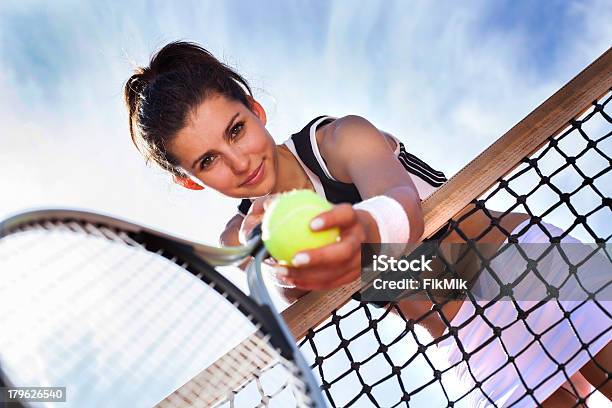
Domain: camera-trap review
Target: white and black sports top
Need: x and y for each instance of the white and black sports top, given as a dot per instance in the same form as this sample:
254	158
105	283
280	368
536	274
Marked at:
304	147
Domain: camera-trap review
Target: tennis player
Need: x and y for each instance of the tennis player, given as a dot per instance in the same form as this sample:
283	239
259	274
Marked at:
196	118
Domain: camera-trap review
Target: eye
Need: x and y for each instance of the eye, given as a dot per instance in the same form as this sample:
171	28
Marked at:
236	129
206	162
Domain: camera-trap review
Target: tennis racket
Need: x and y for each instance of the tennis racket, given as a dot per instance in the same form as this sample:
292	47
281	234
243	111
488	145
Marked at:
123	315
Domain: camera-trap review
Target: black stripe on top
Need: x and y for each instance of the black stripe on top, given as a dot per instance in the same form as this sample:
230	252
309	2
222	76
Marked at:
419	168
335	191
338	192
420	162
243	207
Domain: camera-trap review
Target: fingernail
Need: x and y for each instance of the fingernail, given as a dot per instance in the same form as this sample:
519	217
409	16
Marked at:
300	259
281	270
316	224
285	282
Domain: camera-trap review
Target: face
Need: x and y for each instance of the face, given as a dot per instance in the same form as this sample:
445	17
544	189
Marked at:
227	147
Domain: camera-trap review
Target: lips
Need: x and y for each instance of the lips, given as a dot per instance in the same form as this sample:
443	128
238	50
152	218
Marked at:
254	177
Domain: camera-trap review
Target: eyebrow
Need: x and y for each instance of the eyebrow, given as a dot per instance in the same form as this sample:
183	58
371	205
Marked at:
225	136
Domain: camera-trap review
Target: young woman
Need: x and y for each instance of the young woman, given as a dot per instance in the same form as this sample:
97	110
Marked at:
197	119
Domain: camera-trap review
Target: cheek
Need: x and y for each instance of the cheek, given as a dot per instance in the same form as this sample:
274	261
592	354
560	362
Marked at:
261	142
220	179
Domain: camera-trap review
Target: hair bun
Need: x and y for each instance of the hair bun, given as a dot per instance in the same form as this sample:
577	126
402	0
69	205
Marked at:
160	97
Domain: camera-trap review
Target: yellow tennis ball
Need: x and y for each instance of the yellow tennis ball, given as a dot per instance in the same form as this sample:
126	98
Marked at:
286	225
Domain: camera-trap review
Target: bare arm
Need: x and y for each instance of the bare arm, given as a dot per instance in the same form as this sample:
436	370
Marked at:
357	152
229	237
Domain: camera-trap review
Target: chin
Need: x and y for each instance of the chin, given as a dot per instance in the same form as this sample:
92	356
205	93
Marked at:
265	189
266	186
260	190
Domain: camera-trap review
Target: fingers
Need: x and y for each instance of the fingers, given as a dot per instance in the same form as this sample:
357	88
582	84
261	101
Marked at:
327	267
332	265
339	252
321	278
336	253
342	215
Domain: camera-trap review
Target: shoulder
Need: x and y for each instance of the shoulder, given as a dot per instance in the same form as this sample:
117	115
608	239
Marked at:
351	138
352	130
346	123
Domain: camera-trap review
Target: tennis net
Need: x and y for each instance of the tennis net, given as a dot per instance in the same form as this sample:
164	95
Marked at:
555	166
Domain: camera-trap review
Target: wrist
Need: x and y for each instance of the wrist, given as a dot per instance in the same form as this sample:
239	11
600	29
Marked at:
387	223
369	225
371	232
388	217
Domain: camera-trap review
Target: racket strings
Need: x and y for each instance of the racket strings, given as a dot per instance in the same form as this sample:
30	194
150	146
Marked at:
91	309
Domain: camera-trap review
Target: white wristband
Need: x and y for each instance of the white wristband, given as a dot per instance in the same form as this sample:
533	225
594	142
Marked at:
390	217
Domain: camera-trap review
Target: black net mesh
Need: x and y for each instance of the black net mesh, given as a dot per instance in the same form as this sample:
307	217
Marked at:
501	352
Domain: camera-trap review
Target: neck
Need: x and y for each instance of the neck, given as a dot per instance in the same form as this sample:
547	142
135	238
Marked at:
290	174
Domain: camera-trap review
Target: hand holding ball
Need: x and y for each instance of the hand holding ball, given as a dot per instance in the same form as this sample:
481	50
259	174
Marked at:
286	225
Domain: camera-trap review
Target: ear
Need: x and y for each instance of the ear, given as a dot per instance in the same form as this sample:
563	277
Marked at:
257	109
187	183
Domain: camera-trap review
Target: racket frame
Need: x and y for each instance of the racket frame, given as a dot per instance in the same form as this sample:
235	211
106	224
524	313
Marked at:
201	261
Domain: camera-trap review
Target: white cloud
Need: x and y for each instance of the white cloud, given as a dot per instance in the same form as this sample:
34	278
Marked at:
426	72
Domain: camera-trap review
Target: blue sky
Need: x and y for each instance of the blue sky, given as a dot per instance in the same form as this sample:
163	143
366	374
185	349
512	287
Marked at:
446	80
440	77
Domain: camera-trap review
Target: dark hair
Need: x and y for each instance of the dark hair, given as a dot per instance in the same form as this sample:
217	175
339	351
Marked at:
161	97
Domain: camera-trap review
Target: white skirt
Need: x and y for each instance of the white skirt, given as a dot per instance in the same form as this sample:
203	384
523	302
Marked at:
506	366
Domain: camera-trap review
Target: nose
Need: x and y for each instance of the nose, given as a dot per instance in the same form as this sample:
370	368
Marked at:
238	161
